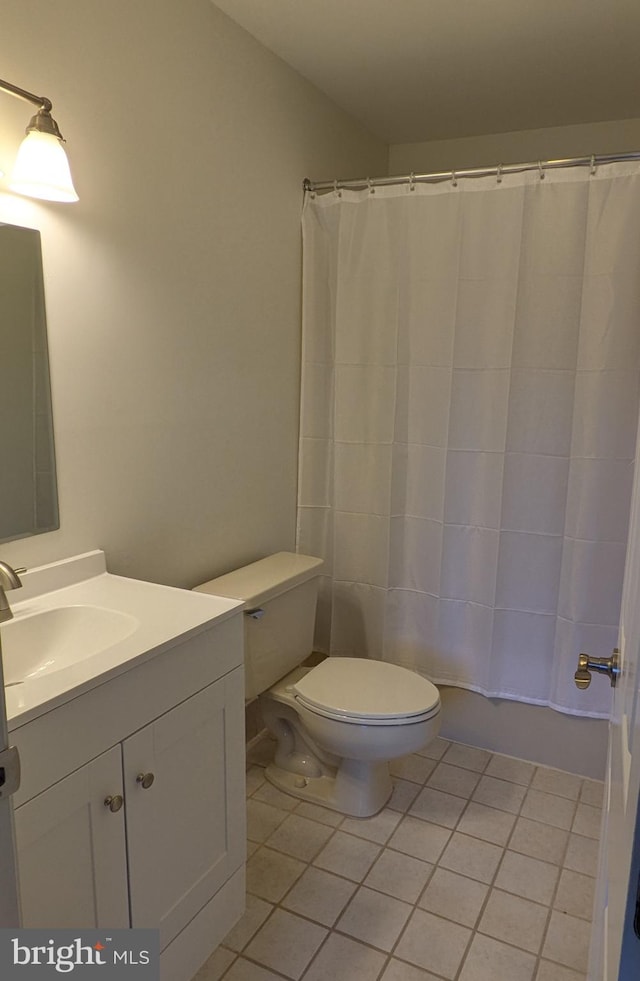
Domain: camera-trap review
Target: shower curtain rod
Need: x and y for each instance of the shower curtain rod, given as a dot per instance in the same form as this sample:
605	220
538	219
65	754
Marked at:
446	175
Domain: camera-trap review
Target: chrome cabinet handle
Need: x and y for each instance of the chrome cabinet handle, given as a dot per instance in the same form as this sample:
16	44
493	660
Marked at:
603	665
145	780
114	803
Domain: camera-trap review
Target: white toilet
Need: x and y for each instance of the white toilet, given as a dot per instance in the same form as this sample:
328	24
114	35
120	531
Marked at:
338	724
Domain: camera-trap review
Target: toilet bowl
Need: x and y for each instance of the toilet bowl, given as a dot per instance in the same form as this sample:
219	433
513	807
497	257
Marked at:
338	724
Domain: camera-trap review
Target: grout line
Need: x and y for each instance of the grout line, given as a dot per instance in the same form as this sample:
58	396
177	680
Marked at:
382	847
491	885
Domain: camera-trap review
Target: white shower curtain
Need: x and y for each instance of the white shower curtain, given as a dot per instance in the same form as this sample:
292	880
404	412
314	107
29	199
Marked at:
468	418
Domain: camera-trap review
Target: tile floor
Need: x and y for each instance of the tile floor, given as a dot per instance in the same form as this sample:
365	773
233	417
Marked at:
481	868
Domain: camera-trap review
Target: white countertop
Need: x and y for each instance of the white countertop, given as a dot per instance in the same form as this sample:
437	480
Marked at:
165	615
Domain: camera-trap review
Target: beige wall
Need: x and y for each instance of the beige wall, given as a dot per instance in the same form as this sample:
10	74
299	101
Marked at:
173	286
535	144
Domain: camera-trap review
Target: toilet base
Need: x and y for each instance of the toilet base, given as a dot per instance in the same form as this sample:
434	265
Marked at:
358	788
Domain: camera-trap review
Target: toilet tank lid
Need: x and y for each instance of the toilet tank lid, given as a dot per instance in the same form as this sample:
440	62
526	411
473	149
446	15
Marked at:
265	579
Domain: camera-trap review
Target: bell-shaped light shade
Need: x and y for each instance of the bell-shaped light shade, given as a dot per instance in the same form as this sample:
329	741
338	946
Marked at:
42	170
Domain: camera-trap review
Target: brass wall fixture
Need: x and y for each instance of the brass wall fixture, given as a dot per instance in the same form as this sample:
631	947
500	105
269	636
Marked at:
41	169
602	665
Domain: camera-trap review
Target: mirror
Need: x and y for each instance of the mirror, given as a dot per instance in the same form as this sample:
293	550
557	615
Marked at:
28	494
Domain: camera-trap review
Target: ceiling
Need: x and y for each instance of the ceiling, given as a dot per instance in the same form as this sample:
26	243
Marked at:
414	70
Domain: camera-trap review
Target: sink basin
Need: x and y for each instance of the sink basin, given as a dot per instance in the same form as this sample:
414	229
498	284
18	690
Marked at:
76	626
39	644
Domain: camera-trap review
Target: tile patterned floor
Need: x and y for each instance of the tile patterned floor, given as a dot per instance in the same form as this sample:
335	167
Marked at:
481	868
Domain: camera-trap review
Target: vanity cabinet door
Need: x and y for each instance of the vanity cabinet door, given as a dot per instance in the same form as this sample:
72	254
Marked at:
71	850
184	786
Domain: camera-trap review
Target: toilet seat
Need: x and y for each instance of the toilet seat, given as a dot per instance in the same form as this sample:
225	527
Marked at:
366	692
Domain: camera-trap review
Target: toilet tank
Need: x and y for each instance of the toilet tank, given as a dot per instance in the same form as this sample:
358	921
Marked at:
280	594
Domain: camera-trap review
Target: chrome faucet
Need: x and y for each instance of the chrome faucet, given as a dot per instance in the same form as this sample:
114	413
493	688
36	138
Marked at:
9	579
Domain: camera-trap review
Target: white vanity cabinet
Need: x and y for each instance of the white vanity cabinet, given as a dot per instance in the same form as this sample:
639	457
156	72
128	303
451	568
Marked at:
71	851
184	835
167	736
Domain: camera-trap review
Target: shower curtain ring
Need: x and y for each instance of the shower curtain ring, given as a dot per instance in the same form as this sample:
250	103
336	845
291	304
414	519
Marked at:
412	185
593	164
372	189
541	170
335	189
454	179
499	174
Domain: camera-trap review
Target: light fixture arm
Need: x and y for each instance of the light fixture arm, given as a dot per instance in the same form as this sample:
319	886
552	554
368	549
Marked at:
37	100
43	121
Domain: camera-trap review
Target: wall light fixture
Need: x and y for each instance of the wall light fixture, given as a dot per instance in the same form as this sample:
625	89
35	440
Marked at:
41	169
